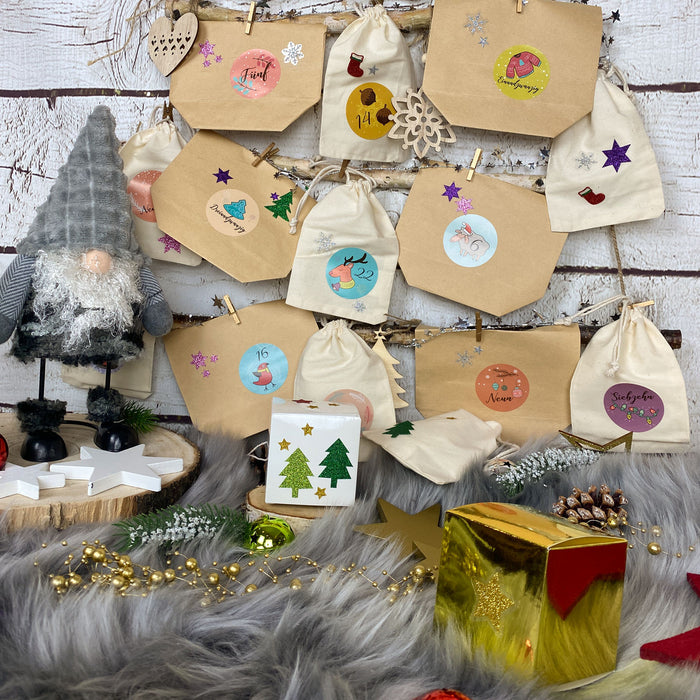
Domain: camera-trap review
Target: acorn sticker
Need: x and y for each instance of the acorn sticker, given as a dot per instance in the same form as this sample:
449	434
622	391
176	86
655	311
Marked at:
383	115
368	97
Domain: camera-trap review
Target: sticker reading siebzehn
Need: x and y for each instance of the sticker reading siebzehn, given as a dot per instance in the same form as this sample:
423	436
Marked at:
255	73
368	109
232	212
351	273
502	387
633	407
521	72
263	368
470	240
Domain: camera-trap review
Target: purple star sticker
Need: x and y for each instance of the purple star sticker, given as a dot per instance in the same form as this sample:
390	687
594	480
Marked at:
206	373
451	191
617	155
206	63
222	176
274	196
207	48
213	358
199	360
464	205
169	243
219	59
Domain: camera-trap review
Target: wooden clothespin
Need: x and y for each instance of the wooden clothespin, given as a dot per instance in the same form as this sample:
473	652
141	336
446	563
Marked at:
267	153
167	111
478	327
343	168
640	304
519	6
473	164
231	309
251	17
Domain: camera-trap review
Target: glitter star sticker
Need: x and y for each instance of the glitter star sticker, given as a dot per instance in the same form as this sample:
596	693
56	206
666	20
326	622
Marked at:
169	243
223	176
218	302
320	493
198	360
207	48
617	155
284	444
307	428
451	191
490	601
464	205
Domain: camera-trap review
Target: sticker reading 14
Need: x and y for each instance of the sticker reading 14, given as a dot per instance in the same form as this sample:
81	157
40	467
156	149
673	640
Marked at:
502	387
351	273
470	240
521	72
255	73
633	407
368	109
263	368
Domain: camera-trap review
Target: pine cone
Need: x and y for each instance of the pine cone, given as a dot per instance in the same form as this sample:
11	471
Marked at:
597	508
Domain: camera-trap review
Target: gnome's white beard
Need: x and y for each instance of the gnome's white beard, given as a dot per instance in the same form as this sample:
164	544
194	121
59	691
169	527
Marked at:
71	300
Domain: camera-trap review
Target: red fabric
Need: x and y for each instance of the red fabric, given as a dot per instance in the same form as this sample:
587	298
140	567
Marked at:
522	64
570	572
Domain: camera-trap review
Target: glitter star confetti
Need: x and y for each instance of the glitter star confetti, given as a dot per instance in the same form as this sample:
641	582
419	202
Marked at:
464	205
307	429
617	155
207	48
451	191
320	493
218	302
293	53
284	444
222	176
198	360
491	603
169	243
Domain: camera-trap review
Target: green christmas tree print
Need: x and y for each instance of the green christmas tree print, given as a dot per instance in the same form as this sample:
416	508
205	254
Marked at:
296	471
336	463
403	428
282	206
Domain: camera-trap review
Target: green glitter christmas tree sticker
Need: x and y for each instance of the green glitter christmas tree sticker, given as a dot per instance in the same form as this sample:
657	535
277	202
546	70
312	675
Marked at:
336	463
403	428
297	472
282	206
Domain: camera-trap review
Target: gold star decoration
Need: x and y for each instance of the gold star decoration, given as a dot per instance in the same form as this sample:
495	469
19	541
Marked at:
307	429
586	444
423	528
490	601
219	303
320	493
284	445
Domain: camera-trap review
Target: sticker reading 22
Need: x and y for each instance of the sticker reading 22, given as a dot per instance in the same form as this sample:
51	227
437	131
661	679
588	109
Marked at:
263	368
351	273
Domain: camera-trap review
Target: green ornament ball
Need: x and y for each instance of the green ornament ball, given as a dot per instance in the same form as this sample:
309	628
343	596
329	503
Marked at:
269	533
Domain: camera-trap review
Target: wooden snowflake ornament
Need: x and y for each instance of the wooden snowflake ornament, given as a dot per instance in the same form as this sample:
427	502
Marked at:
419	124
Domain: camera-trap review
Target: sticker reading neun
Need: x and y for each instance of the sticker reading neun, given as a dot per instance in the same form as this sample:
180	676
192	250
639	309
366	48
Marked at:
368	110
521	72
470	240
255	73
633	407
232	212
502	387
263	368
351	273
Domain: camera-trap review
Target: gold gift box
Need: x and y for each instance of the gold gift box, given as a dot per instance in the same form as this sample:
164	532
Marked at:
538	591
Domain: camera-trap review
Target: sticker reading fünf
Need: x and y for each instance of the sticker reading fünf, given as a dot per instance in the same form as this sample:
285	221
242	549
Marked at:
502	387
263	368
139	191
255	73
351	273
357	399
521	72
470	240
232	212
368	109
633	407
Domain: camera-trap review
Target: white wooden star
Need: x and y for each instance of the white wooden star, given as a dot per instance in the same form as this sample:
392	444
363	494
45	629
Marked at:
27	481
105	470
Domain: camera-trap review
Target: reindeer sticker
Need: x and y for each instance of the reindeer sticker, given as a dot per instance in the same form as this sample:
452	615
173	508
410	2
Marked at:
475	237
351	272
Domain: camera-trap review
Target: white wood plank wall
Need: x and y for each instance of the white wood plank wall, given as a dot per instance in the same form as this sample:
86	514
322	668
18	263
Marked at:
47	91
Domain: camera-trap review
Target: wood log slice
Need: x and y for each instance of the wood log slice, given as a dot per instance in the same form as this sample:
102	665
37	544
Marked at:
59	508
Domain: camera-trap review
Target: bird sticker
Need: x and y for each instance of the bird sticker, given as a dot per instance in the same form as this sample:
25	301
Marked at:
263	375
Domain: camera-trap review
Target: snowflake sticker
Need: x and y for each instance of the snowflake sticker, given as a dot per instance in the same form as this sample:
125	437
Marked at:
476	23
324	243
585	160
207	49
199	360
293	53
359	306
463	359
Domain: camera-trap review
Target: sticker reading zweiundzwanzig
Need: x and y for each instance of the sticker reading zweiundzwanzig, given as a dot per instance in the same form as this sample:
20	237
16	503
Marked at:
255	73
232	212
470	240
139	191
263	368
521	72
502	387
357	399
351	273
633	407
368	109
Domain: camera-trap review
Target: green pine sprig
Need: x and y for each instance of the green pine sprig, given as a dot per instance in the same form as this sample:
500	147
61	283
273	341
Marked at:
174	525
139	417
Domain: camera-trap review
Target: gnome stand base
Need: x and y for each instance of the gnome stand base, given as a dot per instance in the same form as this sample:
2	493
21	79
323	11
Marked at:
112	435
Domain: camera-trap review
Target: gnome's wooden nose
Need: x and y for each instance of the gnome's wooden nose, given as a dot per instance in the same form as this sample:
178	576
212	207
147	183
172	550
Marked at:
97	261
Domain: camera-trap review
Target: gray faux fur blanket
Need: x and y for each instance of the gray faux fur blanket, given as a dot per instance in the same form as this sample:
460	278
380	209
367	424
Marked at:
333	639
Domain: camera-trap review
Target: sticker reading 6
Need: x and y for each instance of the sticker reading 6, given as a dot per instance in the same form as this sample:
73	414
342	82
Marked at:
263	368
368	109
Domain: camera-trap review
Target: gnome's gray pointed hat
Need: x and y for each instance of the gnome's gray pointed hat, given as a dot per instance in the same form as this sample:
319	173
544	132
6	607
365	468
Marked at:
88	206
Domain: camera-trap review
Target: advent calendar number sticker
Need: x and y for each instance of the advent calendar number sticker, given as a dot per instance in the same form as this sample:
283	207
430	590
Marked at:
633	407
263	368
139	191
232	212
357	399
470	240
351	273
368	109
521	72
502	387
255	73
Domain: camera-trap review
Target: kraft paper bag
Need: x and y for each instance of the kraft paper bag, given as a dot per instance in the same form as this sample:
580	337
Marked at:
520	379
533	72
484	243
212	199
228	372
628	379
146	155
260	81
132	378
368	65
602	170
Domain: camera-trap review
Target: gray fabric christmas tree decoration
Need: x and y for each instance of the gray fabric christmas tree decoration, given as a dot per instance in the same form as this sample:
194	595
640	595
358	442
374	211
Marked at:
82	235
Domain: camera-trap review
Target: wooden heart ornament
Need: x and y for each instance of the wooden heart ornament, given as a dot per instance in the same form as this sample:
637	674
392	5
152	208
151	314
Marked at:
168	44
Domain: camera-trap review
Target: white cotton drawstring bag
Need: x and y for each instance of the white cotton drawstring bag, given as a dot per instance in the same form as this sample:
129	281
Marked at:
628	380
602	170
368	65
146	155
346	257
339	367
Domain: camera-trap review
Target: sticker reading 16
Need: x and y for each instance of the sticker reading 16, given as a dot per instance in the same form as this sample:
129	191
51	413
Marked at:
263	368
368	109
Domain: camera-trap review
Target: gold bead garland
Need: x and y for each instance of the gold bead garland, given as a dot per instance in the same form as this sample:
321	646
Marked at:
652	546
